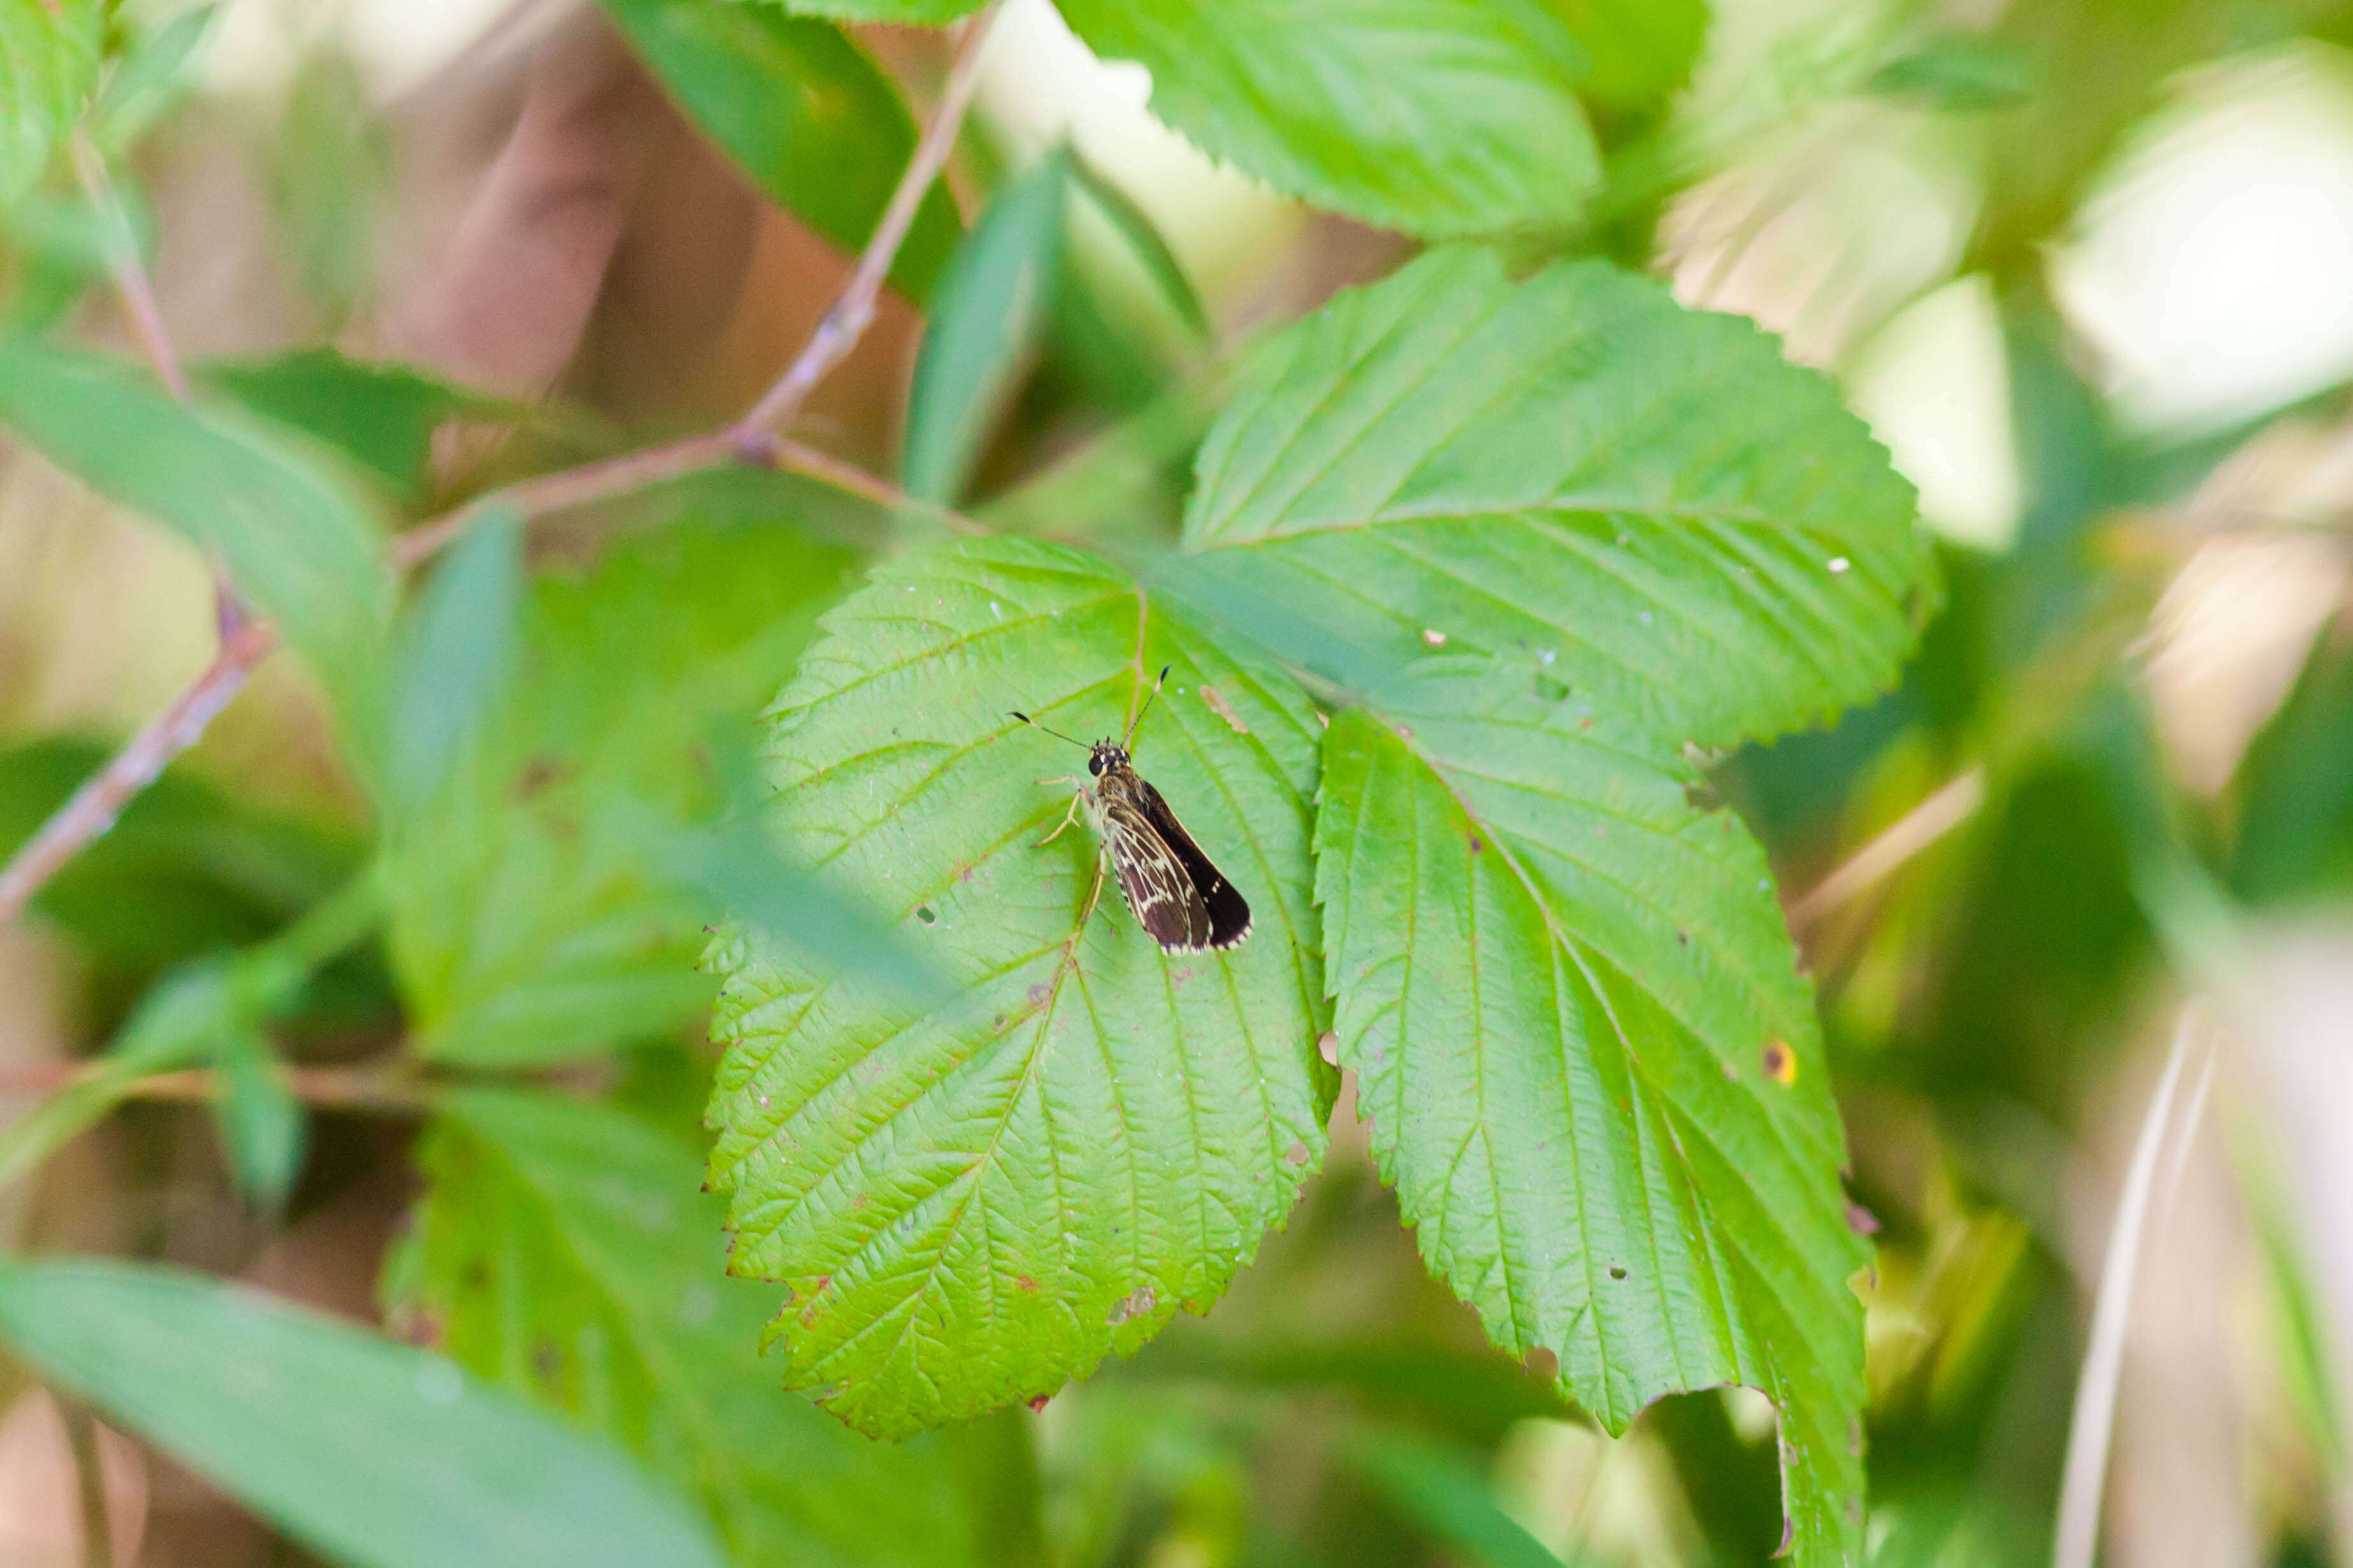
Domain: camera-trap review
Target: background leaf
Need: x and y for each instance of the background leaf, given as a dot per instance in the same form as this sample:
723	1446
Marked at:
1640	50
298	543
1592	1070
973	1203
49	67
1428	116
804	113
991	308
534	913
457	653
412	1464
381	415
565	1252
1644	500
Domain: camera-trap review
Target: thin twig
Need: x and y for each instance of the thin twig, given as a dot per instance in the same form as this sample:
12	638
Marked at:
852	310
2085	1476
334	1089
1902	839
129	274
94	806
752	440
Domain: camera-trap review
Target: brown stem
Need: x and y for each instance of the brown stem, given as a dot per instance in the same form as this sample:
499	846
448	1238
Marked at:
338	1089
129	273
1902	839
93	807
752	440
846	320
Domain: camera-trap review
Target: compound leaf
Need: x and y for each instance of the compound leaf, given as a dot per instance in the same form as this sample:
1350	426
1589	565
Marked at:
974	1200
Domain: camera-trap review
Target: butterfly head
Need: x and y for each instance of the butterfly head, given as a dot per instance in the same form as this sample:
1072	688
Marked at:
1107	757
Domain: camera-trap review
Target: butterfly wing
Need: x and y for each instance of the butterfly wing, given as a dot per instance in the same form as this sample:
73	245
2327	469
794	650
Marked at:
1226	912
1153	876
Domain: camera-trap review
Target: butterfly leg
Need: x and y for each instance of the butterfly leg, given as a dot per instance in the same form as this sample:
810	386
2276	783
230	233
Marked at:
1068	816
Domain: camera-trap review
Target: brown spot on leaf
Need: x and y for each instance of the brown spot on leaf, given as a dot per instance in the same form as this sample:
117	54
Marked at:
539	774
1036	996
1780	1063
1223	709
1024	1282
1861	1220
1475	846
1128	1308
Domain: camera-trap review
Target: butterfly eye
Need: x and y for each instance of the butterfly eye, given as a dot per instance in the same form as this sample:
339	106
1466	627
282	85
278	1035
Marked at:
1096	764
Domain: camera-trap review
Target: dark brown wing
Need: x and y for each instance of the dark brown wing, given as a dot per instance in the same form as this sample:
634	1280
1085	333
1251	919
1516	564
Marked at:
1228	912
1151	877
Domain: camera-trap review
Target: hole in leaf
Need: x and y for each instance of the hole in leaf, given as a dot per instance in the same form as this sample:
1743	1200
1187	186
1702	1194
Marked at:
923	913
1617	1271
1542	1362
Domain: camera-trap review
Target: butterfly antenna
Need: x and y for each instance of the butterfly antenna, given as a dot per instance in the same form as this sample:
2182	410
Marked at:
1140	713
1035	725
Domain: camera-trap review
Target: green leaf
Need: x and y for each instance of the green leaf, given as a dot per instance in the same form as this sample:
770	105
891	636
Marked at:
1645	500
1591	1068
367	1451
567	1254
1961	72
187	869
50	52
382	417
973	1203
805	114
296	540
992	305
535	915
1435	117
262	1125
1440	1487
1642	50
457	653
2295	788
152	77
1142	237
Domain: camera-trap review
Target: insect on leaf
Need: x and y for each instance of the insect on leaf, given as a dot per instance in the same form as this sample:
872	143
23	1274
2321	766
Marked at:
973	1202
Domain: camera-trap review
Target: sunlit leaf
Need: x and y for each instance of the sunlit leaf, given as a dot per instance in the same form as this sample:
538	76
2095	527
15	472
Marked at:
370	1452
973	1203
1644	500
801	111
1430	116
1591	1068
568	1253
984	326
49	66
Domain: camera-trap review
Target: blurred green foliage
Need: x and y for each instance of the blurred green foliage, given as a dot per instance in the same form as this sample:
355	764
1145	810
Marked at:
1486	590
